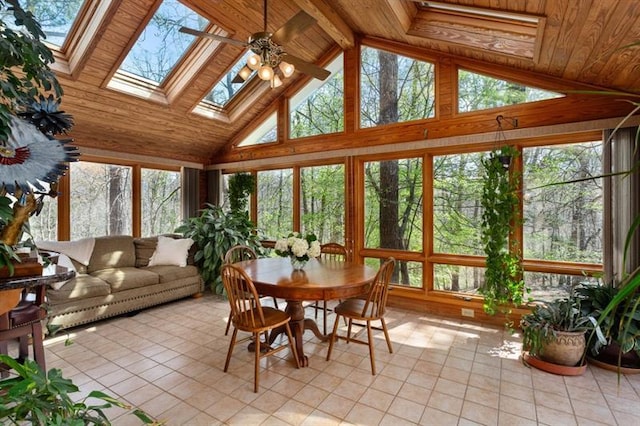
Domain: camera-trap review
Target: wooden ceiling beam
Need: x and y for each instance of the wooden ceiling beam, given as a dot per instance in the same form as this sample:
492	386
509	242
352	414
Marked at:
330	21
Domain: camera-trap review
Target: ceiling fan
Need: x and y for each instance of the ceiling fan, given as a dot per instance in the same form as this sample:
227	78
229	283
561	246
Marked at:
270	58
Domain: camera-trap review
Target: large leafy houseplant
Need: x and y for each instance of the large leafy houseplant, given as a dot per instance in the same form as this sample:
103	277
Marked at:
25	79
503	282
41	398
214	232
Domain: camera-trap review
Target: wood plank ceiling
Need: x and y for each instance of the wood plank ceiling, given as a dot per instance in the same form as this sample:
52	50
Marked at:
578	41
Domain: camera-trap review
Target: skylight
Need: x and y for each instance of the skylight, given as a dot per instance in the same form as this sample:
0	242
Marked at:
56	17
225	89
160	45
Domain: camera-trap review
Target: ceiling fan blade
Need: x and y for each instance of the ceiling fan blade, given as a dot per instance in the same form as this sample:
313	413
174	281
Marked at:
293	27
212	36
307	67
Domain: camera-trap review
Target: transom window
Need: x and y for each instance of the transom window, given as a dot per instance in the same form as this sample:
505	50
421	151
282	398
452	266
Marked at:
477	92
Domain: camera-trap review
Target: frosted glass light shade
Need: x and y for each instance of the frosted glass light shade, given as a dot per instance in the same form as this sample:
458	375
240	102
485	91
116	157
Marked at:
245	72
253	62
265	72
286	68
276	82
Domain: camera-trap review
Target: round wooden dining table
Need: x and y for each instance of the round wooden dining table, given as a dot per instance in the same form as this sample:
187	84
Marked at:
321	279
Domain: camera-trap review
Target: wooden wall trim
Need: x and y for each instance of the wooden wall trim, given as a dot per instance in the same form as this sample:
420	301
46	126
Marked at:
146	159
432	145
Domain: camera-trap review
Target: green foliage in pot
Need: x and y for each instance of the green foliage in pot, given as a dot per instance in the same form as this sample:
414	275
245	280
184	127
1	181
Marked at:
503	283
547	318
24	64
40	398
620	325
241	186
214	232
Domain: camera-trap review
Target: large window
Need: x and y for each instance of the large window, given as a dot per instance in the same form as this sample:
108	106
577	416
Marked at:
457	213
275	198
161	208
322	202
393	204
393	212
100	200
43	226
563	222
394	88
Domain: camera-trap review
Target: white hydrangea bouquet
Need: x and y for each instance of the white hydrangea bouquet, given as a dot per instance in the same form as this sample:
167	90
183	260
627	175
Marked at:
298	248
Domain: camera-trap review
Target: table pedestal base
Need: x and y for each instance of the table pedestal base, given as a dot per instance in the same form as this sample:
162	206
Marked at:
298	325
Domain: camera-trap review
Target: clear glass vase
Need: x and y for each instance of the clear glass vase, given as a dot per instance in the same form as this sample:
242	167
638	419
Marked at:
297	264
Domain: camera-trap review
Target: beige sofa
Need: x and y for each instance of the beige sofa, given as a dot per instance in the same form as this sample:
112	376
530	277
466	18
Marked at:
118	280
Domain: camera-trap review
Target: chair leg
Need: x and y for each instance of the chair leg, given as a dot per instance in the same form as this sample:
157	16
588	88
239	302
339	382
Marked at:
386	335
315	308
348	329
370	340
334	336
324	316
232	343
292	345
38	346
23	348
226	331
256	371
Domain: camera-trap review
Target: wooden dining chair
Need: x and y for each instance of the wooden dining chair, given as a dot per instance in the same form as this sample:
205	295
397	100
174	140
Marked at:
247	314
24	323
371	308
237	254
329	252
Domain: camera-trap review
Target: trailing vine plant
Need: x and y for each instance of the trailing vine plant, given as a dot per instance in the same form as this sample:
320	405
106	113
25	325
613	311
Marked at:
503	281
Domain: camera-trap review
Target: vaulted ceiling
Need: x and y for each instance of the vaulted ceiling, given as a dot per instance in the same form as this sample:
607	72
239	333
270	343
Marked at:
586	42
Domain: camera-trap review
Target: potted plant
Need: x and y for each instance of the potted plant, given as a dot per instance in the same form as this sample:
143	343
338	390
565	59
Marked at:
554	332
619	344
29	153
214	232
503	283
41	398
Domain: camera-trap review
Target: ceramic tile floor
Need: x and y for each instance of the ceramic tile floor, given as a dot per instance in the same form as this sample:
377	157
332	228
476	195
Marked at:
168	361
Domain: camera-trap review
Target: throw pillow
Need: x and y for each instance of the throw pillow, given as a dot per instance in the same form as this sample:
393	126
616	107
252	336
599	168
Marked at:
171	252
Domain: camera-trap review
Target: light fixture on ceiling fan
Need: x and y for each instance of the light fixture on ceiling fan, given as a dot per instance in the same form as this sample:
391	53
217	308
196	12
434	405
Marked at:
269	57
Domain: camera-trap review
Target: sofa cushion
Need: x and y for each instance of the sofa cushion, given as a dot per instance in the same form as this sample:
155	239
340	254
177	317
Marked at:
81	287
171	273
127	278
170	251
144	250
145	247
114	251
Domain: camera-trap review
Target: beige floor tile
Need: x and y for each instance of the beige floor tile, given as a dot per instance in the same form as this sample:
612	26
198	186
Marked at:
225	408
480	414
336	405
319	418
362	414
447	403
508	419
376	399
247	416
552	416
406	409
435	417
293	412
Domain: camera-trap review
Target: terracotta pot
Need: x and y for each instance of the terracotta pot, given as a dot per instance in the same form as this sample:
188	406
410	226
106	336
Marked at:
566	349
608	359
